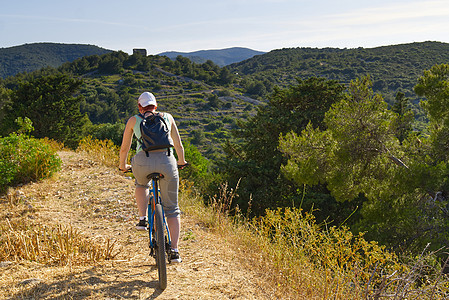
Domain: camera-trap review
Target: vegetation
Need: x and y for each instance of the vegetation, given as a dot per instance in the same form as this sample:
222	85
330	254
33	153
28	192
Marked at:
24	159
336	132
310	260
254	159
49	103
54	245
392	68
360	152
103	151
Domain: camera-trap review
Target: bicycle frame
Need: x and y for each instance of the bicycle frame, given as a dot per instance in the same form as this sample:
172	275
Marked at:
154	194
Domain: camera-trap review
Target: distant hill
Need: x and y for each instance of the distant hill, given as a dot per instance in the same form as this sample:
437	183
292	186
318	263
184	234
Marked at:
31	57
221	57
392	68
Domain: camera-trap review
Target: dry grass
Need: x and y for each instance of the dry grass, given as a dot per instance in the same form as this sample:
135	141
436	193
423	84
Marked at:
21	239
55	145
102	151
51	244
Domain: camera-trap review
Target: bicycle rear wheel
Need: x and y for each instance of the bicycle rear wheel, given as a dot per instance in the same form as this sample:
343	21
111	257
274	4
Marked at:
160	247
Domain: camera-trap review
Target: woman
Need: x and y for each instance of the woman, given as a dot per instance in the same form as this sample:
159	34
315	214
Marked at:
160	161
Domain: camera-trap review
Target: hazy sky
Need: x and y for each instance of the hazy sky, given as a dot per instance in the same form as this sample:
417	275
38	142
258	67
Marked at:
175	25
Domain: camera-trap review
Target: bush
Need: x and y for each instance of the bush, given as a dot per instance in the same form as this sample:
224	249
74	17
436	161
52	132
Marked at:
199	167
24	159
198	136
214	125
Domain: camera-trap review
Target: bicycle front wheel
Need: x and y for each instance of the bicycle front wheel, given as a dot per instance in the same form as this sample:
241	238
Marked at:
160	247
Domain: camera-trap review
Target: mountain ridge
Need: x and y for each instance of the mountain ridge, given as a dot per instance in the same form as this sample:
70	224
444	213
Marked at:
34	56
221	57
392	68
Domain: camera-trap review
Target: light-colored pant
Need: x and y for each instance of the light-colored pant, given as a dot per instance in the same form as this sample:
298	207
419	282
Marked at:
159	162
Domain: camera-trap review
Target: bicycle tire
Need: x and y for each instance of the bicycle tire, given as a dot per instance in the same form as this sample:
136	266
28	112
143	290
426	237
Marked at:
160	247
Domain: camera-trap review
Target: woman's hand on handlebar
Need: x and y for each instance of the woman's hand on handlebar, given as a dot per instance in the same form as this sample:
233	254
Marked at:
127	168
182	166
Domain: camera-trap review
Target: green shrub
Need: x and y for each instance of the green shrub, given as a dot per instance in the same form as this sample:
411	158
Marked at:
214	125
24	159
107	131
199	167
198	136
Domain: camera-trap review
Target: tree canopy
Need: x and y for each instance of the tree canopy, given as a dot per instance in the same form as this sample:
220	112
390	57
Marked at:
359	153
255	160
50	103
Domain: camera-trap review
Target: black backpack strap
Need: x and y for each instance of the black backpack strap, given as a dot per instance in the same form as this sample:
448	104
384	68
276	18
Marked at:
166	125
140	140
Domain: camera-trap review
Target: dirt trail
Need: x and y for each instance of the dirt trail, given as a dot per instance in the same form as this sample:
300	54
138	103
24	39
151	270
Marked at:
98	201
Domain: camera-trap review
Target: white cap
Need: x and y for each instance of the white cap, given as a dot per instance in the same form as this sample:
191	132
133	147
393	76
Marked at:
146	99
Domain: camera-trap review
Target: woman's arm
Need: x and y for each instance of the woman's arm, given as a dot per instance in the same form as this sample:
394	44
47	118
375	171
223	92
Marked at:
179	148
126	143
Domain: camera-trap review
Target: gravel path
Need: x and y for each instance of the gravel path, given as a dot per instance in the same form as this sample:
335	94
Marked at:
98	201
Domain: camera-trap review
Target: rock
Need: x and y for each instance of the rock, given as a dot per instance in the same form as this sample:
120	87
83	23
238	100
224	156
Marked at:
20	194
30	281
5	263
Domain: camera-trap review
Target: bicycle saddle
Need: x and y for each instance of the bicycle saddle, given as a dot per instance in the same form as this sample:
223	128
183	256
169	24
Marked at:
155	176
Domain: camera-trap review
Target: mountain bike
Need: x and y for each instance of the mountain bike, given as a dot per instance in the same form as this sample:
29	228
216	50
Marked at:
159	234
160	242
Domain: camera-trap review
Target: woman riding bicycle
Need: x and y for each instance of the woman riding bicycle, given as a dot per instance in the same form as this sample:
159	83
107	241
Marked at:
159	161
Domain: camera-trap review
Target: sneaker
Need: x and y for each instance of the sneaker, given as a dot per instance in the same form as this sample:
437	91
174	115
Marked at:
174	256
142	225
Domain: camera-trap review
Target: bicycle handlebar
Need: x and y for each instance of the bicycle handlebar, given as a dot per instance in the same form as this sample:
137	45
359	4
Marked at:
131	169
183	166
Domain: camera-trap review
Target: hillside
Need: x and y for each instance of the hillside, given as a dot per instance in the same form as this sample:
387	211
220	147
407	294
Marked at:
208	101
99	205
208	109
392	68
31	57
222	57
200	96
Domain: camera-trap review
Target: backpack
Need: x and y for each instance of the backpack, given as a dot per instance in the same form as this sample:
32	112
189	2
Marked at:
155	133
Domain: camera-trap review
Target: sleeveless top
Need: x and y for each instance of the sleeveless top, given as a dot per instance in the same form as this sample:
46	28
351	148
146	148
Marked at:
138	135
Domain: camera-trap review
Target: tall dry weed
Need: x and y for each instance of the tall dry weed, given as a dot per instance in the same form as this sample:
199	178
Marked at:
102	151
51	244
54	145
